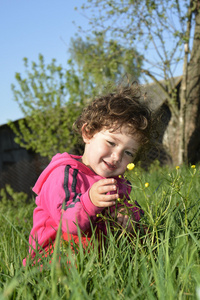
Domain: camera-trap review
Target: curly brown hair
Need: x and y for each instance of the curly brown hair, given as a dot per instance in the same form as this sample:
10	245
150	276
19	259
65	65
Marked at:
125	106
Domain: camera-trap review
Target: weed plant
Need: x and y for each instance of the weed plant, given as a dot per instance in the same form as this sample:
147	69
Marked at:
162	262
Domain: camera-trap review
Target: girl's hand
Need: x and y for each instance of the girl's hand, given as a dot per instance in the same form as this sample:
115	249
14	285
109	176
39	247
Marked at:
123	219
100	192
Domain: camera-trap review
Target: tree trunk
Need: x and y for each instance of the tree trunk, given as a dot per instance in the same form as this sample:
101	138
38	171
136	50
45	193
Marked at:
171	139
182	136
192	114
182	155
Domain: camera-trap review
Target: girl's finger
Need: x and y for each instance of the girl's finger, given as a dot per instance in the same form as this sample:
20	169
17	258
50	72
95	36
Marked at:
107	188
106	204
109	197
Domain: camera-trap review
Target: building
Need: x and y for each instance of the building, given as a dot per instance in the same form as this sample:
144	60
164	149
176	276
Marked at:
19	167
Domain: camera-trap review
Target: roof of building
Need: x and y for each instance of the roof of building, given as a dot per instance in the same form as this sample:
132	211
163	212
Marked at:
156	93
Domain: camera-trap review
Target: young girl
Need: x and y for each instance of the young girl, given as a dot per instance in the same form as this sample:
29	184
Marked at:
74	189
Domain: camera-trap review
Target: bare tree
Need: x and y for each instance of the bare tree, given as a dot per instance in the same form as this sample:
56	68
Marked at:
163	32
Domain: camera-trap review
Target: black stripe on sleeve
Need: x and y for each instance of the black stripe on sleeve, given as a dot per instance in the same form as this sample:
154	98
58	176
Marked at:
66	181
71	189
77	199
74	182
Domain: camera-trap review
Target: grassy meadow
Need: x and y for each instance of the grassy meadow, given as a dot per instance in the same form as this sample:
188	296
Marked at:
162	262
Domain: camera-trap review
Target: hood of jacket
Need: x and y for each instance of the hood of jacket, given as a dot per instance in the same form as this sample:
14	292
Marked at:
59	160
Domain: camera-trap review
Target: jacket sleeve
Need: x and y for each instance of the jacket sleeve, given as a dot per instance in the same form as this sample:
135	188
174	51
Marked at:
66	196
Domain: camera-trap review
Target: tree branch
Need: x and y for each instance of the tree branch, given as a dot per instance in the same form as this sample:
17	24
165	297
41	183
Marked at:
171	104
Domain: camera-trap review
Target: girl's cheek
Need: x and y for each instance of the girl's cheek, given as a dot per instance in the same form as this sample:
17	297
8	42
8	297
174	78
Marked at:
128	160
107	149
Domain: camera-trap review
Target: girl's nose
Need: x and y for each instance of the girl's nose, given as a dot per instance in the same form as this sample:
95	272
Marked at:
117	156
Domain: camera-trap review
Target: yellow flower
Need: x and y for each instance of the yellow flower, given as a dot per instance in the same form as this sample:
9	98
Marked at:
120	200
193	167
177	167
146	185
130	166
120	176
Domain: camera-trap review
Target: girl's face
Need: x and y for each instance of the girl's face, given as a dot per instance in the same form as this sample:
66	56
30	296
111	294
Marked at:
108	153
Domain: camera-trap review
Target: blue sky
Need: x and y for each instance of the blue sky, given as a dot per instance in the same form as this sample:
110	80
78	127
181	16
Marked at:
30	27
27	28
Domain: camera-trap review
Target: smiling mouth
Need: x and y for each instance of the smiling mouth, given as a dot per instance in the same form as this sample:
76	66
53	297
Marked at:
110	166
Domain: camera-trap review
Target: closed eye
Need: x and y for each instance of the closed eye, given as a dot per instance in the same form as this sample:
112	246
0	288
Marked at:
129	153
111	143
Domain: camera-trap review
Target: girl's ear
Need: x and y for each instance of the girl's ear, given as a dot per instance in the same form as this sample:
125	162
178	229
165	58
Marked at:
85	135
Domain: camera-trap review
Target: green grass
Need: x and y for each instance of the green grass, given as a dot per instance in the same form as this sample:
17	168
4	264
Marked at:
163	264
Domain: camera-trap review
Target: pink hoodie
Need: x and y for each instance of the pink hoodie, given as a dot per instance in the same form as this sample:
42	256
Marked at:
63	190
